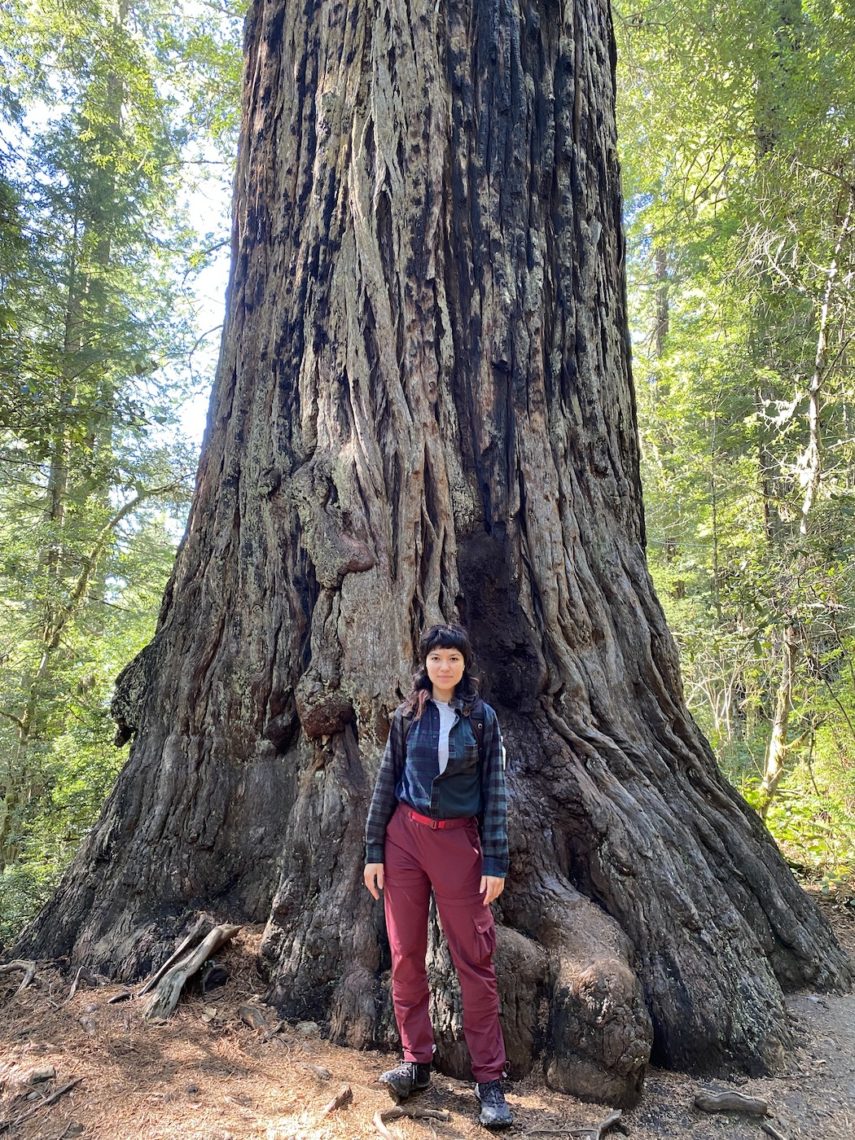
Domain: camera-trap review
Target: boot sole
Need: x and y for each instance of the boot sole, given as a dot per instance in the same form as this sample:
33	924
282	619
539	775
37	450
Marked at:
400	1098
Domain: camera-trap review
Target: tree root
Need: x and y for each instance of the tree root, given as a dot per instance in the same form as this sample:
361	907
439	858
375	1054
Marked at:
29	969
377	1121
402	1111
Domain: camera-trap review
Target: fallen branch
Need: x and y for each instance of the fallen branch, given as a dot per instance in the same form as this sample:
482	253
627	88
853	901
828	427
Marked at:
731	1101
168	991
54	1096
592	1131
414	1113
343	1097
201	929
29	969
74	984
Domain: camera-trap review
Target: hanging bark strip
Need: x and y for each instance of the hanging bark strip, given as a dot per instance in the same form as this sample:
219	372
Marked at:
424	410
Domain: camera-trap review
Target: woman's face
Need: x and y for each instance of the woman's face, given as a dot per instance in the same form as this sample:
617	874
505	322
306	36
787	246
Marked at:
444	669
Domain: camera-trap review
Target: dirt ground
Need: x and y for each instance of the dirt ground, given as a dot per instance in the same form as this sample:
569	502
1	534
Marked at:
206	1075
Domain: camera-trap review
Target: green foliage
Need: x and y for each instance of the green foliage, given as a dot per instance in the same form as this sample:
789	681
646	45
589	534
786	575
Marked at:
105	140
736	122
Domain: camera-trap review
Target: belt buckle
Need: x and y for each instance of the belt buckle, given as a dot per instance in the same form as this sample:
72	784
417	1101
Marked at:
434	824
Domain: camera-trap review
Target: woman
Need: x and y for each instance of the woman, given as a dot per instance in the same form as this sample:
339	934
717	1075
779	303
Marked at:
442	774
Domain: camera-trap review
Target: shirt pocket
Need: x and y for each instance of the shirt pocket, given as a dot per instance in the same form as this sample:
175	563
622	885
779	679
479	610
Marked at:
463	747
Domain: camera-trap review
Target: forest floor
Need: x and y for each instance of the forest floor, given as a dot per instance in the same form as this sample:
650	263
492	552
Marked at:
206	1075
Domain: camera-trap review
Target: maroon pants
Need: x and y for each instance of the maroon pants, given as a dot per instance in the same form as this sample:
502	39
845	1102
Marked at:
418	859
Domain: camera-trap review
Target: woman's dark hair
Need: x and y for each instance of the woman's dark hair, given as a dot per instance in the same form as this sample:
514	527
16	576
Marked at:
441	637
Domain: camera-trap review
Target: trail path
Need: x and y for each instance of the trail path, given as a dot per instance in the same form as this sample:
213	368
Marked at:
205	1075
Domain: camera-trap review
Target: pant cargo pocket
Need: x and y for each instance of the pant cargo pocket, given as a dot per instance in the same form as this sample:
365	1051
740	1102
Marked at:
485	936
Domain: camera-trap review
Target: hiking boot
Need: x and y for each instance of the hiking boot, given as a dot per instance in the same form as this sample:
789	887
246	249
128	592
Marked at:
405	1079
494	1112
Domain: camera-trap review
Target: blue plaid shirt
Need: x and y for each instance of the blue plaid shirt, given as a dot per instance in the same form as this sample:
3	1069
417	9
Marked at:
409	773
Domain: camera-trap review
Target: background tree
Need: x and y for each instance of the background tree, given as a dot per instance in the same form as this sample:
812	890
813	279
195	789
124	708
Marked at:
737	132
424	409
95	324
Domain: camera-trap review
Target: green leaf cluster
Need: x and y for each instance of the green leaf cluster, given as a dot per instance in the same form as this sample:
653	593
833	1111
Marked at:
737	125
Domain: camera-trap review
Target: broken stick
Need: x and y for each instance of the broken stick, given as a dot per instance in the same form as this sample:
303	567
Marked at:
591	1131
414	1113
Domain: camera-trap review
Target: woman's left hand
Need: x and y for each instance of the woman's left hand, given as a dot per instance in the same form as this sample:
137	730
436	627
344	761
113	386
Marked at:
491	887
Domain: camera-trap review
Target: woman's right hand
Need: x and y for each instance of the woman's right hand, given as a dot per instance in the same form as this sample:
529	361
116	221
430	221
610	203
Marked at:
373	876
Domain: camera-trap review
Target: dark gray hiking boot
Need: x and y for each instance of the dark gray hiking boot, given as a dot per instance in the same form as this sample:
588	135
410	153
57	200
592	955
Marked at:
406	1079
494	1112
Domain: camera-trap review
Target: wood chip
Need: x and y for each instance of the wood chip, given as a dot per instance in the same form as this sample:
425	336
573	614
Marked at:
343	1097
731	1101
34	1076
74	984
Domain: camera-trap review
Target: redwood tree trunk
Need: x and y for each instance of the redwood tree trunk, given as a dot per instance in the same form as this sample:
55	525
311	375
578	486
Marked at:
424	410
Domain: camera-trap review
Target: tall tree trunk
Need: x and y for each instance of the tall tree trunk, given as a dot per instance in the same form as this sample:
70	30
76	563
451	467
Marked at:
424	409
663	316
776	750
811	473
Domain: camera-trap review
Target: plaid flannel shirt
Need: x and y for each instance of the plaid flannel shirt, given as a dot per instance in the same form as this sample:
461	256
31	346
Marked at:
409	773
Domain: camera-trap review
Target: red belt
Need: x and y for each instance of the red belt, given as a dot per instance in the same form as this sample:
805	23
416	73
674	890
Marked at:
438	824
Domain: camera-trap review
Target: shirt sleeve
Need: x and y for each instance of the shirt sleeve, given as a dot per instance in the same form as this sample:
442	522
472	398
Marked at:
383	802
494	800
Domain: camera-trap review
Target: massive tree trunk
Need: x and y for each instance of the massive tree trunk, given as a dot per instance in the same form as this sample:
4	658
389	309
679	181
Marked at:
424	410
